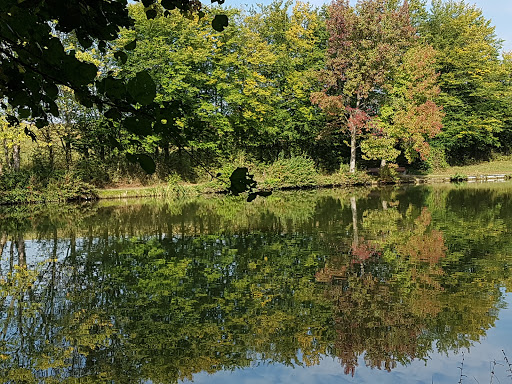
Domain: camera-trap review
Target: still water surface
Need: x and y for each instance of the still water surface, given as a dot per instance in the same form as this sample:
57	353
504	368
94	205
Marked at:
402	285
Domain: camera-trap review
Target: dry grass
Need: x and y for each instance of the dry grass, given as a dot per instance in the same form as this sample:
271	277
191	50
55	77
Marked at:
497	167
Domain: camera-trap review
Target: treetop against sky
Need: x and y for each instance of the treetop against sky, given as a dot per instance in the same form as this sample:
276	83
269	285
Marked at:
498	11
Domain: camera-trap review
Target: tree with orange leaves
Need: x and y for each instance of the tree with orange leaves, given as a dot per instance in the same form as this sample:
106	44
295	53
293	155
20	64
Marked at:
366	43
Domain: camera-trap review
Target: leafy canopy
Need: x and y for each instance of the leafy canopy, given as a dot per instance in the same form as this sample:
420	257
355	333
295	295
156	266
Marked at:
34	61
365	45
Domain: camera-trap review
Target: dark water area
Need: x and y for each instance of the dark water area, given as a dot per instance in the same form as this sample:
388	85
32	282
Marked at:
398	285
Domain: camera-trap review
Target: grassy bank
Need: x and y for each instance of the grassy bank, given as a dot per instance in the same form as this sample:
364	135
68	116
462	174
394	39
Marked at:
300	174
501	166
219	185
292	173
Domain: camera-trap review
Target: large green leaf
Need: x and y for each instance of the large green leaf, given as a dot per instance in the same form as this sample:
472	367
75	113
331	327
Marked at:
168	4
220	22
78	72
142	88
151	14
138	125
147	163
112	87
84	98
131	45
121	56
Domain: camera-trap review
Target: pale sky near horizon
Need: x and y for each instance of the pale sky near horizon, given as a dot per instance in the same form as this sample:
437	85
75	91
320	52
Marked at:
498	11
500	14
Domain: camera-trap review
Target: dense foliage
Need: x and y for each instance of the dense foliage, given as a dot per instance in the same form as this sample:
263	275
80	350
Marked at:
381	81
474	80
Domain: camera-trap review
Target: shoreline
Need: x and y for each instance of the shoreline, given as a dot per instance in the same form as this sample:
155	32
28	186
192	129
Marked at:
206	188
195	189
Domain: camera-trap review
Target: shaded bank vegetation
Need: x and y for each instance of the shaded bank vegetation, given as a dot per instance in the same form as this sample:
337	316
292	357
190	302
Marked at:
161	291
280	82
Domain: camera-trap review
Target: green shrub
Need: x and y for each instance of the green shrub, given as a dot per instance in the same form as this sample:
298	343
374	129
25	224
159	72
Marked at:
388	173
19	187
13	180
68	188
220	181
344	177
174	186
436	160
297	171
458	177
94	171
15	187
344	168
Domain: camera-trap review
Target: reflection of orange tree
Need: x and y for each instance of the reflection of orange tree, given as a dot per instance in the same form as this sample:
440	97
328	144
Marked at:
406	286
411	249
423	244
387	290
371	318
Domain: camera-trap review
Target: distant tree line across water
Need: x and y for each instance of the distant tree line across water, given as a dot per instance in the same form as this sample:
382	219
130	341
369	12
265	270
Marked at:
383	81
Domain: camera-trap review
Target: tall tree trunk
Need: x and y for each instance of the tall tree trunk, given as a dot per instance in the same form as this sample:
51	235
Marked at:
22	257
51	157
66	146
353	207
11	258
68	154
353	144
11	305
166	152
353	140
355	231
72	245
22	263
3	241
16	157
6	153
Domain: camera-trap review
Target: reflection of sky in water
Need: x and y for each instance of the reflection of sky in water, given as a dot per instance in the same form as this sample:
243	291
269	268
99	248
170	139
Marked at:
38	251
440	369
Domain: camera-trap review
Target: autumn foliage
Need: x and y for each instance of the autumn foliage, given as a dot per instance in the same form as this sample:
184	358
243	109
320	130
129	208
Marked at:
373	57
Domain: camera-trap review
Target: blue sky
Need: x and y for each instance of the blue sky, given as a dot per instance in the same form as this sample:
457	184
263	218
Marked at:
498	11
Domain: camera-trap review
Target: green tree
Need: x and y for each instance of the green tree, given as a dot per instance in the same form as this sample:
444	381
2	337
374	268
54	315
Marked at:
177	52
34	61
296	37
471	79
11	138
246	88
409	115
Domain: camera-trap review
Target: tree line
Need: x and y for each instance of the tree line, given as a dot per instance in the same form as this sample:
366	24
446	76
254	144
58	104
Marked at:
383	81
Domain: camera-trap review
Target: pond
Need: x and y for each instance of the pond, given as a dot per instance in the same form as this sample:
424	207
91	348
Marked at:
394	285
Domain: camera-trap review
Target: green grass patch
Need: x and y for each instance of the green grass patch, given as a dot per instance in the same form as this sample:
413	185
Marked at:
496	167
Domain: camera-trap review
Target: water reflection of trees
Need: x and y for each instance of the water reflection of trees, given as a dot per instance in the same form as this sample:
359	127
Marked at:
163	310
206	290
405	287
